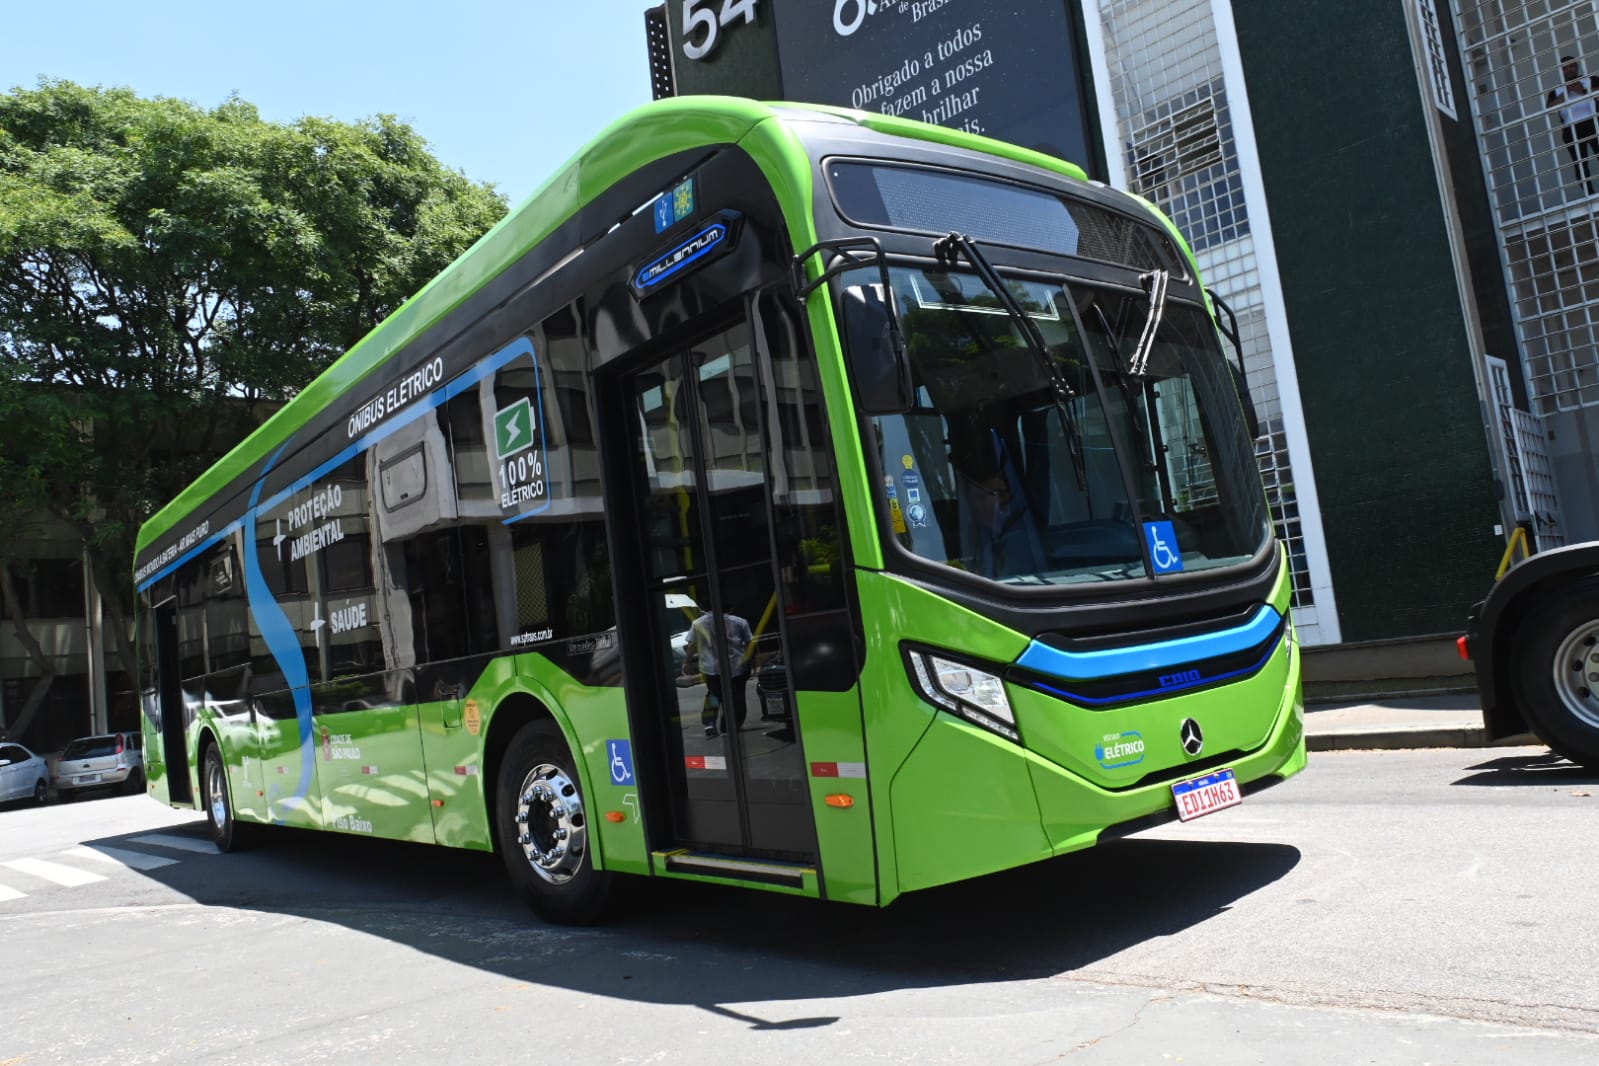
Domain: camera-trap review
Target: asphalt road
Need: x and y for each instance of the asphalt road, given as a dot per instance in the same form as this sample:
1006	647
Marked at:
1385	907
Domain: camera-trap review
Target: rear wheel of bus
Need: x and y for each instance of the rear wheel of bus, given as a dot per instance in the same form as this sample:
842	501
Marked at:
542	828
226	833
1556	658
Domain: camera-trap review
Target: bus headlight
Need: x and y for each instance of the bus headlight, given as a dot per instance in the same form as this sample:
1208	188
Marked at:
960	688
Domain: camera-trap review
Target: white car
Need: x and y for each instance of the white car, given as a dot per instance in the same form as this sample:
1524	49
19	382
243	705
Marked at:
23	775
112	760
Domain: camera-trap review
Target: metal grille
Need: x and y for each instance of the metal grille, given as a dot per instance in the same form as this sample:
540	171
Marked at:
1543	177
1443	86
1183	159
1529	476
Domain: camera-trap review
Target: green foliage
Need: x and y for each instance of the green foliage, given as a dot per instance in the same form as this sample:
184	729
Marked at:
168	273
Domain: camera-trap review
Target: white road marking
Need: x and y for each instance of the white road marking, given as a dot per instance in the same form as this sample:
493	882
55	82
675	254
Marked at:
7	893
168	840
136	860
53	871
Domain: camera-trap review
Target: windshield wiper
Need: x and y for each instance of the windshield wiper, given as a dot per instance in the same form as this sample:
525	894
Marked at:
1154	284
1146	343
949	249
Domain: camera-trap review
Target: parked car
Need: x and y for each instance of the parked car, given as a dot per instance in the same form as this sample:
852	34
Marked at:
112	760
23	775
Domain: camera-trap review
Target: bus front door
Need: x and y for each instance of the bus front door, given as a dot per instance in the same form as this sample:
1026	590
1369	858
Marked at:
712	685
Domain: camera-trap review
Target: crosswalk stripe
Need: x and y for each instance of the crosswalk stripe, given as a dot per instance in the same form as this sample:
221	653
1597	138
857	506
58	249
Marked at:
136	860
8	893
53	871
169	840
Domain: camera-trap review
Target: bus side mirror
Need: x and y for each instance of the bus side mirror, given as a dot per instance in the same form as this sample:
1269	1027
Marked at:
875	349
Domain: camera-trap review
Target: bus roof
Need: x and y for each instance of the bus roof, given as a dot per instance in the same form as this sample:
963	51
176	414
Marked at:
650	132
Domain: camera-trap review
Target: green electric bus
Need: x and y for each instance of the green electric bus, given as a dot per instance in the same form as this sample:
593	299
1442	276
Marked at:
784	496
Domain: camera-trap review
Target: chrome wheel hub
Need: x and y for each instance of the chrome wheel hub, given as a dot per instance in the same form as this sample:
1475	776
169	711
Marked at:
216	792
1576	670
552	827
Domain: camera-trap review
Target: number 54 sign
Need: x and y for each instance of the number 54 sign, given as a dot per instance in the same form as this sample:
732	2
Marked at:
702	30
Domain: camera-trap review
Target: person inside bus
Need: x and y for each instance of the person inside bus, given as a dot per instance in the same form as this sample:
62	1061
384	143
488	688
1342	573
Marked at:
704	638
999	535
1574	100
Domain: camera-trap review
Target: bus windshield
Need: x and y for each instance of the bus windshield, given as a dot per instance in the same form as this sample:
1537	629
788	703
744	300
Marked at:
1105	461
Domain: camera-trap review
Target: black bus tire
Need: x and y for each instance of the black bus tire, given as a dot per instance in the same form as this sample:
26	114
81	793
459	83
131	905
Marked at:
541	827
1556	670
226	833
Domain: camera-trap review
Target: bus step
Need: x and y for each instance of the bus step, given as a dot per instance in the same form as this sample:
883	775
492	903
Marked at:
764	871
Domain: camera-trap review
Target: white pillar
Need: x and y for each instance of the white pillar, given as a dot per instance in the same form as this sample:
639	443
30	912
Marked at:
1282	351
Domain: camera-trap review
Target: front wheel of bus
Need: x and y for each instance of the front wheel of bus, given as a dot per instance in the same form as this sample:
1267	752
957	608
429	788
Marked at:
1556	658
542	827
226	833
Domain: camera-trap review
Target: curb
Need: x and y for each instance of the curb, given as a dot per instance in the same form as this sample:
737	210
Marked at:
1414	737
1372	694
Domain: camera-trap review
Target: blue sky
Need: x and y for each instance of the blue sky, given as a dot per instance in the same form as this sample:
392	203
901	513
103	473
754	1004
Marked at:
504	91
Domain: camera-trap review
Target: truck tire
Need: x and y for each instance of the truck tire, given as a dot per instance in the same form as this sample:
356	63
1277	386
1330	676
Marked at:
1555	670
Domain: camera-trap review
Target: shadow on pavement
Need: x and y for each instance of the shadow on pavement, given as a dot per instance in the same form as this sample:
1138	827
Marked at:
1543	768
693	944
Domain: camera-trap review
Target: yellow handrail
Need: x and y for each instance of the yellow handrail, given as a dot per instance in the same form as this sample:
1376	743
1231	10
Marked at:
1506	561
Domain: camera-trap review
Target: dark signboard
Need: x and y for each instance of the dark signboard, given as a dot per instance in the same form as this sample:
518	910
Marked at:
1009	69
724	46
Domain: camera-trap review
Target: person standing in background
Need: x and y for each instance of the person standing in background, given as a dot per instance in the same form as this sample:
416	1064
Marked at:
706	637
1576	99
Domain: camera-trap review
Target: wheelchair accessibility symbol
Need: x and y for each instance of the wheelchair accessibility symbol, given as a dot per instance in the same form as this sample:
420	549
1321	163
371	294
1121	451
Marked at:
1162	539
621	753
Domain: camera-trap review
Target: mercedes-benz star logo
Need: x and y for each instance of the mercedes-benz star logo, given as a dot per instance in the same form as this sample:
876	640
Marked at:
1193	737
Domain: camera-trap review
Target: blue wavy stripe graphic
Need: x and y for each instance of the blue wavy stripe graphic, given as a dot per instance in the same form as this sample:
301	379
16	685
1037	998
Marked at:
280	636
278	633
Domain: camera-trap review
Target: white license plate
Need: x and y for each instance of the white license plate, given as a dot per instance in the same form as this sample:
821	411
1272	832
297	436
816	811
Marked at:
84	779
1206	795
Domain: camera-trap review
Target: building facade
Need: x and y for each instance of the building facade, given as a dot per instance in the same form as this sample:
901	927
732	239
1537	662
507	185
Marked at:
64	667
1539	153
52	646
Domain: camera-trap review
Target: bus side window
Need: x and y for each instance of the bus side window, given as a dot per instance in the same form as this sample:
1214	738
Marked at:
560	562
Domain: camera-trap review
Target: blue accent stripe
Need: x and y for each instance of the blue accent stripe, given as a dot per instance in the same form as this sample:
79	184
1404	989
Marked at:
1171	690
439	397
1116	662
281	639
175	564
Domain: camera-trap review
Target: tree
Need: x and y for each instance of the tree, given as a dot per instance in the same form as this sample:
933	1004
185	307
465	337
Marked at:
168	273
